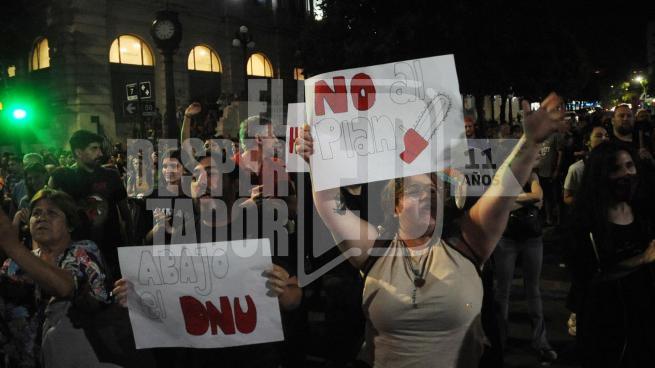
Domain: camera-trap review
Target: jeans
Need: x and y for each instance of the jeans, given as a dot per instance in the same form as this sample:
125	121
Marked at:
531	251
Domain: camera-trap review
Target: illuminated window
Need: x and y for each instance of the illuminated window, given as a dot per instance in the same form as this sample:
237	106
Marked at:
259	66
11	71
204	59
298	74
40	58
132	50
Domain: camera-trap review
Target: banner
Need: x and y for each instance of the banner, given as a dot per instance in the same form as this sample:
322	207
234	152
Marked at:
208	295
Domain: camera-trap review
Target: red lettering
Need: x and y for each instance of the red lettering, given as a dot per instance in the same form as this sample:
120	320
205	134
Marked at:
362	91
246	322
198	319
195	316
336	98
222	318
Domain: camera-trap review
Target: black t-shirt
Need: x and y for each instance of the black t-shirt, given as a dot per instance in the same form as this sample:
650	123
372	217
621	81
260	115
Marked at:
98	194
628	146
628	241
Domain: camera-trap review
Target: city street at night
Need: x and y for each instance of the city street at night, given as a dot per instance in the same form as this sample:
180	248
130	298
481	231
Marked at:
327	184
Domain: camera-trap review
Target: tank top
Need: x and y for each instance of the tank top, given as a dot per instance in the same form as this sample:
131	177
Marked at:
443	330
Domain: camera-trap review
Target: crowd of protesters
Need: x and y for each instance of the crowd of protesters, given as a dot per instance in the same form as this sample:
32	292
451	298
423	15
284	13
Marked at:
64	213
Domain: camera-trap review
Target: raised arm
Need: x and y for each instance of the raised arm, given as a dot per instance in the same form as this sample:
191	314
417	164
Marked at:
485	222
49	277
185	133
353	235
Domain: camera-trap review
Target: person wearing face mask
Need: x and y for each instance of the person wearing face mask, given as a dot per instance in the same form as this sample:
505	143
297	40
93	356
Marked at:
613	252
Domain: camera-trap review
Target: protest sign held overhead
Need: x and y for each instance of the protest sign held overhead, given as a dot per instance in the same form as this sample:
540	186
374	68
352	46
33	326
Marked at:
383	122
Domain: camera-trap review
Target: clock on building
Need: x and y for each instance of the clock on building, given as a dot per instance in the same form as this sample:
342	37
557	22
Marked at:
166	30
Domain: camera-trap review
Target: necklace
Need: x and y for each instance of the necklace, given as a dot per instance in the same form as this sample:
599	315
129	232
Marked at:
419	274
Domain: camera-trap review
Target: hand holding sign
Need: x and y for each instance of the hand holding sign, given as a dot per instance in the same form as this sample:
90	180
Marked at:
278	279
305	143
122	288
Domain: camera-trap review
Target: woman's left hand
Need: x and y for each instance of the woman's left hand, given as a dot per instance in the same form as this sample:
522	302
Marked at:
278	279
539	125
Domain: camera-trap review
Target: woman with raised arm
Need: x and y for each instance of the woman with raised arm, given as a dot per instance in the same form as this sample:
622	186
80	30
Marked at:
422	298
68	280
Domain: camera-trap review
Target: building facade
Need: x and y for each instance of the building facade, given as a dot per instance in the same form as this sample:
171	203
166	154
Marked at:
104	72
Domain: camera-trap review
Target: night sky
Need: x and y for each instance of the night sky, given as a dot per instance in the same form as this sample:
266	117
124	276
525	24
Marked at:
530	46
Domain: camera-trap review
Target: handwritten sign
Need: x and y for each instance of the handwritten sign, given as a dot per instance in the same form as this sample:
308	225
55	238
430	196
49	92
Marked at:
295	119
201	295
383	122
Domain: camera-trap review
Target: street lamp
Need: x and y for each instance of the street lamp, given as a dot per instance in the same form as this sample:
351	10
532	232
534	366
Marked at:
243	39
642	82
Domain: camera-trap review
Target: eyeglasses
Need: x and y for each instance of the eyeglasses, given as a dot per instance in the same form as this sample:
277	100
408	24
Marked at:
417	190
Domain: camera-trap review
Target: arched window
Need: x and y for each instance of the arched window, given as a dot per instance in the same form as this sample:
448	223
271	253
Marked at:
127	49
259	66
204	59
298	74
40	55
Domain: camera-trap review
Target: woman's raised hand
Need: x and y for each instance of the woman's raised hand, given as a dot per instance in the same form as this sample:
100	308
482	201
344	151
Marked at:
193	110
539	125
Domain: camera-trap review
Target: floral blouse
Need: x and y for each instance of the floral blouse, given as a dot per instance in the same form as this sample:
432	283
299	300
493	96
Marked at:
24	315
82	259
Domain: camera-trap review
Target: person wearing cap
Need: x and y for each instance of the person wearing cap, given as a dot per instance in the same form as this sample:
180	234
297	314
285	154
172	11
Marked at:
35	177
19	190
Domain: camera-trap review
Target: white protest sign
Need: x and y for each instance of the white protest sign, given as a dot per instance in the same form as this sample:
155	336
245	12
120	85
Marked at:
295	119
201	295
383	122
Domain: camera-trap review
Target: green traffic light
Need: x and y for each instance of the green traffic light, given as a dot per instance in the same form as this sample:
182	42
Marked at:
19	114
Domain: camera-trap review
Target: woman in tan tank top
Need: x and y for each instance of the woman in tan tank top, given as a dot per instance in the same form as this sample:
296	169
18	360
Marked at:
422	299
